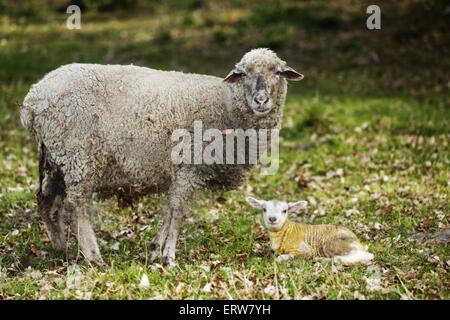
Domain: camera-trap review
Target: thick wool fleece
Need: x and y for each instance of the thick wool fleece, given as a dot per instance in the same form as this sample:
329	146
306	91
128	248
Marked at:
108	128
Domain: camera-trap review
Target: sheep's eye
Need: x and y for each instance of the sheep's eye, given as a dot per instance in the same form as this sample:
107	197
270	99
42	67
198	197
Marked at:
264	209
284	211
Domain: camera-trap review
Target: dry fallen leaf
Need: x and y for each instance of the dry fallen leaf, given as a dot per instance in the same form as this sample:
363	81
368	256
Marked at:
38	253
358	296
373	281
270	290
144	283
257	228
207	288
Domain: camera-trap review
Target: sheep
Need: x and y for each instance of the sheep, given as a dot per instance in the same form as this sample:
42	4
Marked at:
289	239
105	130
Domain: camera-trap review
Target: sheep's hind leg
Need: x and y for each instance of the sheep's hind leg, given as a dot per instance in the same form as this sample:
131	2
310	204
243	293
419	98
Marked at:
50	200
82	229
158	242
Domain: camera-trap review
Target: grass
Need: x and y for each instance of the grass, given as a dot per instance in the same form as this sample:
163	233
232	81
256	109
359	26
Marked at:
368	115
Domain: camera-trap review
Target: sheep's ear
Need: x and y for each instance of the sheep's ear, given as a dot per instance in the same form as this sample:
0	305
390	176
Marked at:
290	74
234	75
258	204
296	206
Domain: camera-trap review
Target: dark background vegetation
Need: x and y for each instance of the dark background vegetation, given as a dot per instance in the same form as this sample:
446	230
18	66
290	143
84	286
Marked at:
327	40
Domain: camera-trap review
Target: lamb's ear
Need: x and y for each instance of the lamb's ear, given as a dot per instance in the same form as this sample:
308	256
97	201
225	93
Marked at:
255	203
296	206
290	74
234	75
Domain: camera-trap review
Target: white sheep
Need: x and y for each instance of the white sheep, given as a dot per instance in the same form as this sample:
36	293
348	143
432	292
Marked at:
289	239
106	129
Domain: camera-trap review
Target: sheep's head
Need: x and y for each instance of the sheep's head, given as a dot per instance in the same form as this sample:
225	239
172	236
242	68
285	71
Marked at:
275	213
262	74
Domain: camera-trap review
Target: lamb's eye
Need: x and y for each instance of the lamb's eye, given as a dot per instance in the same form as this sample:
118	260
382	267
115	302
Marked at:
264	209
284	211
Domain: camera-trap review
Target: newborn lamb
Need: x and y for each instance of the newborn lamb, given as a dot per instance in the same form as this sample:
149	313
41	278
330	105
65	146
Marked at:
289	239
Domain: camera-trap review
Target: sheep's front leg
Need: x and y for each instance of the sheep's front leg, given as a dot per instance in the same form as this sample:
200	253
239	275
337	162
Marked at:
180	195
82	229
157	244
168	256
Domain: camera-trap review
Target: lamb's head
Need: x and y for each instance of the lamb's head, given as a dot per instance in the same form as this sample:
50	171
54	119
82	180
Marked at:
263	75
275	213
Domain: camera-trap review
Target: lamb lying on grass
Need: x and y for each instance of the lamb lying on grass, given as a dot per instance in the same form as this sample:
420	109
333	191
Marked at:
289	239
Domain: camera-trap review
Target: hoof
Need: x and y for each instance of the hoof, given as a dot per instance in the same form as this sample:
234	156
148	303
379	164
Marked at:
155	252
94	258
283	257
154	255
58	242
97	262
154	246
169	262
100	264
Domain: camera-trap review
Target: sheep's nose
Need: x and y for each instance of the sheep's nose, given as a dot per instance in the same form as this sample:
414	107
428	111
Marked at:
272	219
261	99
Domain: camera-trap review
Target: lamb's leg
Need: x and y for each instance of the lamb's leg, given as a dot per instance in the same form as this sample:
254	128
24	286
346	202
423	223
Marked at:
82	229
347	249
354	257
284	257
158	242
50	200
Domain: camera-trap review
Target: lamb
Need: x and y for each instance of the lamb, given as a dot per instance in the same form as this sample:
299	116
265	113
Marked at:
289	239
106	130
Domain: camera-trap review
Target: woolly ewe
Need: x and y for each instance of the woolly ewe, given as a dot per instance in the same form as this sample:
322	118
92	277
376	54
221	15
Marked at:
106	129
